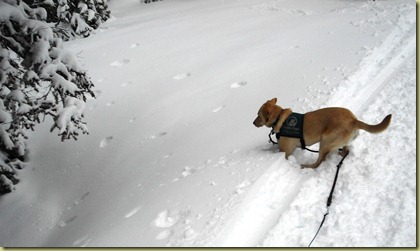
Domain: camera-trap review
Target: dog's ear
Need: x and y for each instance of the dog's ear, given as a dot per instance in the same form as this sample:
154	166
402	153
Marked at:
273	101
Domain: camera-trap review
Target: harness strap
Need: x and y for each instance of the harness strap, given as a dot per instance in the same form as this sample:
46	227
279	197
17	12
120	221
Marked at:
303	146
302	141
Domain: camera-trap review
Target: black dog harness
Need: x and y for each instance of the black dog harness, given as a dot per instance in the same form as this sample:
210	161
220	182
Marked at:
292	128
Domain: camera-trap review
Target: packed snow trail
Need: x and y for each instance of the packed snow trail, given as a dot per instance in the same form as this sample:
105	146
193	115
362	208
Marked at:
265	201
380	64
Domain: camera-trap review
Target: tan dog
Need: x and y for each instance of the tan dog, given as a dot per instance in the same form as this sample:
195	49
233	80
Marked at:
333	128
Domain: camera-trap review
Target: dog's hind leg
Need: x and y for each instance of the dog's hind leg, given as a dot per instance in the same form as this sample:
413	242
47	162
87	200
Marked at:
321	157
324	150
344	151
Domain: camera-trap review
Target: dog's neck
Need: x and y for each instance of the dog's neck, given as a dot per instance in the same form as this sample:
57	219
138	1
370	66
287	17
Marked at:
279	112
279	117
276	121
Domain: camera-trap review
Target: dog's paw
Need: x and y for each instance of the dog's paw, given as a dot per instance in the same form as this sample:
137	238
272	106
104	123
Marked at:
308	166
343	152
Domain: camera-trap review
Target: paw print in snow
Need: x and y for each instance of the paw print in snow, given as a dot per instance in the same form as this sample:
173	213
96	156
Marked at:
238	84
120	63
125	84
106	141
182	76
187	171
219	108
240	188
166	219
154	136
132	212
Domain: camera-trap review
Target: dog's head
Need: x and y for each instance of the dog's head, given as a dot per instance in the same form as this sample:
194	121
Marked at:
266	115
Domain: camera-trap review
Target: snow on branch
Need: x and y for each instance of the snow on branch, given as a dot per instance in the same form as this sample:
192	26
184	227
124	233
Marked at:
79	18
69	119
38	78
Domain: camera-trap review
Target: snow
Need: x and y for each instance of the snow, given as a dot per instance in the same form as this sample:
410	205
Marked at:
77	21
172	158
72	110
39	52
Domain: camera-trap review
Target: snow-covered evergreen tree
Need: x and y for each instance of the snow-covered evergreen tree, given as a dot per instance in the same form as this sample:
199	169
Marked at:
74	18
38	78
148	1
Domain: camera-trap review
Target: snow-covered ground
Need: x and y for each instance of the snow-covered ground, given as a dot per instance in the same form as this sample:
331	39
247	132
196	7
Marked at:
173	158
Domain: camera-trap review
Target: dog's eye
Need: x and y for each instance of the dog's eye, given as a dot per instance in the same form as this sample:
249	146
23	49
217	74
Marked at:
265	114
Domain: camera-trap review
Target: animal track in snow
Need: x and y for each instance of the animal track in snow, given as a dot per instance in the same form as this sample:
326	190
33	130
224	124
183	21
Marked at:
73	217
83	242
175	225
76	202
241	186
106	141
132	212
164	234
219	108
135	45
182	76
167	155
119	63
190	234
166	219
110	103
154	136
188	171
238	84
64	223
125	84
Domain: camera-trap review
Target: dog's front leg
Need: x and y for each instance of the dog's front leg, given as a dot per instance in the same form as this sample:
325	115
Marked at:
287	146
283	116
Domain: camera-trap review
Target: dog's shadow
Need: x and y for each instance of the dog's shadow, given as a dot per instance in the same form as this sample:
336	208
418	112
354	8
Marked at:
268	148
301	156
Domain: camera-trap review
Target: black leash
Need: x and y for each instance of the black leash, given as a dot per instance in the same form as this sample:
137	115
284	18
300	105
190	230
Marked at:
329	201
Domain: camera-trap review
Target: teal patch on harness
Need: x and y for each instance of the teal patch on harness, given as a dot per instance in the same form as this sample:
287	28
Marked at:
292	127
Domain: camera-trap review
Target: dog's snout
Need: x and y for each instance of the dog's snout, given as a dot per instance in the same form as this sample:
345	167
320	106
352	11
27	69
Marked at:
257	122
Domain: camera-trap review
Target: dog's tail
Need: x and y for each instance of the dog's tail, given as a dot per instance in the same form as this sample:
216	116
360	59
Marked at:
375	128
